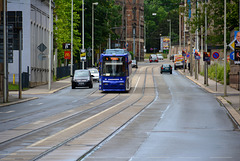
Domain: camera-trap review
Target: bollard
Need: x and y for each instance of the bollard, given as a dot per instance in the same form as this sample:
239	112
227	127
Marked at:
13	78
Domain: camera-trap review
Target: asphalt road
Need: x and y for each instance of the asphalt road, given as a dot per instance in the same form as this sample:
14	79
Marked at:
164	117
183	123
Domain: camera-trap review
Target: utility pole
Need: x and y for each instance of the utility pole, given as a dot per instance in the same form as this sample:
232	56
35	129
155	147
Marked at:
83	31
169	20
72	40
196	46
5	79
225	47
50	47
96	3
206	50
134	35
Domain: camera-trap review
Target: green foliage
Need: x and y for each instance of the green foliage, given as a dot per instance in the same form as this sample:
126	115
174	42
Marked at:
13	87
62	25
132	54
220	72
158	24
106	16
215	19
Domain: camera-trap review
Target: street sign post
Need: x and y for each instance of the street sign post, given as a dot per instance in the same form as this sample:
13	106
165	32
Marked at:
215	56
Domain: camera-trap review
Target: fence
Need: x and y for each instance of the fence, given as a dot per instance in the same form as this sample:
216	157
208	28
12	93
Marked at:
65	71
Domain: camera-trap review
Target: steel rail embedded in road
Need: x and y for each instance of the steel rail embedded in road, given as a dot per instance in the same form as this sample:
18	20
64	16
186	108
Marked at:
97	121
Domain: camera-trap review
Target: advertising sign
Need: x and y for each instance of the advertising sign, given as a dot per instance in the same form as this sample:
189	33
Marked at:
83	56
206	56
165	42
197	55
237	53
67	54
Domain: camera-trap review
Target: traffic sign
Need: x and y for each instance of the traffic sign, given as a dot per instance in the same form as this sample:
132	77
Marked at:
232	44
42	47
188	55
232	55
215	55
66	45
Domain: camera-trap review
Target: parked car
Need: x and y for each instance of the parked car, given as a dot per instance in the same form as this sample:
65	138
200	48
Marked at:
134	64
159	56
82	78
166	68
95	74
153	58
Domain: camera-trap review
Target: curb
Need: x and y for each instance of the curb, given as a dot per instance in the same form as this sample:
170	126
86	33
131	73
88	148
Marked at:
19	101
232	112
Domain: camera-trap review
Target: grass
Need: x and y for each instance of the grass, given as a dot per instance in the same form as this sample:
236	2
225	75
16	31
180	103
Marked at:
14	87
220	72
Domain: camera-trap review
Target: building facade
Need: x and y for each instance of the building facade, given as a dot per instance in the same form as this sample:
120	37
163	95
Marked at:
132	30
35	29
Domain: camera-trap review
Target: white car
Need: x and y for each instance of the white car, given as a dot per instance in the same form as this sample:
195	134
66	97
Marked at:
95	74
159	56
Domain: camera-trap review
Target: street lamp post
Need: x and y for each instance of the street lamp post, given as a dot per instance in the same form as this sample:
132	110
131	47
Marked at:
225	47
96	3
83	31
50	46
72	40
169	20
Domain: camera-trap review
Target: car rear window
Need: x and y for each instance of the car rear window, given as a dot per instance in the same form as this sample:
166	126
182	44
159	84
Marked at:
81	73
166	65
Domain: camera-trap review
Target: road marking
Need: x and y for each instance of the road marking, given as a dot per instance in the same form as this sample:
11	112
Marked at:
136	84
8	112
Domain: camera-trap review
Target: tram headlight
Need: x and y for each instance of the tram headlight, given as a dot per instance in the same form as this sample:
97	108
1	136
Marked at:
105	84
121	84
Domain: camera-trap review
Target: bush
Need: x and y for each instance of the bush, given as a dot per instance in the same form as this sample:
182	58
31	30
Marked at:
220	72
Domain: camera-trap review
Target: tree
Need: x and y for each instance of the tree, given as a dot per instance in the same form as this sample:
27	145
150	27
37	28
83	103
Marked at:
215	13
62	25
158	24
106	16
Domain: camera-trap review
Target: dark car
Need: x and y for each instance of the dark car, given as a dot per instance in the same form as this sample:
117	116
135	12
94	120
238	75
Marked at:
166	68
82	78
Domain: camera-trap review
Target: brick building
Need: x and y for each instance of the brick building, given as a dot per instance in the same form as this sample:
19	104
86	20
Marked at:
132	20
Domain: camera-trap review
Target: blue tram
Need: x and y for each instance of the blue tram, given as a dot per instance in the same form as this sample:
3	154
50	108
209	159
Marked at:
115	70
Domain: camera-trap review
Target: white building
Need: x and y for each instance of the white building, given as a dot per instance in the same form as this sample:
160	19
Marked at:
35	15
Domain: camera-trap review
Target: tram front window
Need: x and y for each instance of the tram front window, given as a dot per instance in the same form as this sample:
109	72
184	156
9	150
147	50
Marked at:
114	66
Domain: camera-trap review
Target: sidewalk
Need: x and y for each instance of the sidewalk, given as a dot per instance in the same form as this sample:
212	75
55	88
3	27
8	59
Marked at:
29	94
231	101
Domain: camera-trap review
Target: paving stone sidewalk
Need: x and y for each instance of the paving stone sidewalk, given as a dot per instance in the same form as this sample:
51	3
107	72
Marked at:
32	93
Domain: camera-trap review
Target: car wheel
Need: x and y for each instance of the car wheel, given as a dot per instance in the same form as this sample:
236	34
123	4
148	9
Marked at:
161	72
73	87
91	86
170	72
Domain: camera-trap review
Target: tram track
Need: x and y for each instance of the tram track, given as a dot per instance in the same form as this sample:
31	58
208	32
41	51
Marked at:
2	121
85	126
